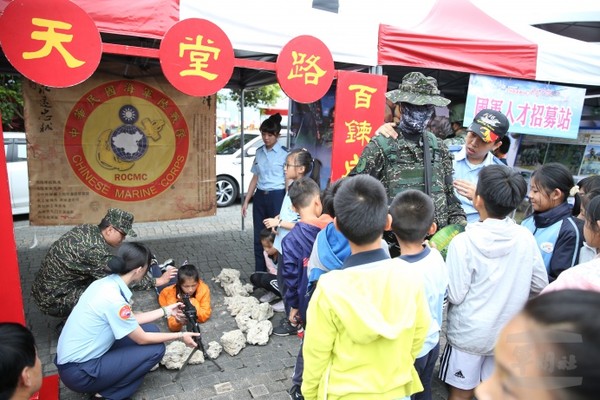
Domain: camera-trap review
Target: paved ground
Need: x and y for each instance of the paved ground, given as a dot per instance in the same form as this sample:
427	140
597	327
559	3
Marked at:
211	243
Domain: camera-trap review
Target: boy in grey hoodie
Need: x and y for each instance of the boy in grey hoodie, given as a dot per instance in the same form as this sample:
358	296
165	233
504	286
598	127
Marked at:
494	267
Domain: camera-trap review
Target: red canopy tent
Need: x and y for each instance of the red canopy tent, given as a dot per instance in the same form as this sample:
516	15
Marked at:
144	18
465	36
458	36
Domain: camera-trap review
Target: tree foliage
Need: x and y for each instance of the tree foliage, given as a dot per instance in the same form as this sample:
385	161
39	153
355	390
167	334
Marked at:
11	101
264	95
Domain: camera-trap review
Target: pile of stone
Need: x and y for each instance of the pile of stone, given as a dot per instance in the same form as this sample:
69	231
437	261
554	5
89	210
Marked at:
251	317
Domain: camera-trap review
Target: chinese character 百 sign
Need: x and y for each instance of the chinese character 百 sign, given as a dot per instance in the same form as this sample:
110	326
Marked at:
197	57
53	43
533	108
305	69
359	112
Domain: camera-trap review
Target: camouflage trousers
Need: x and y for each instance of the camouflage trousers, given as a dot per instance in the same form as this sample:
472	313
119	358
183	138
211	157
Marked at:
55	306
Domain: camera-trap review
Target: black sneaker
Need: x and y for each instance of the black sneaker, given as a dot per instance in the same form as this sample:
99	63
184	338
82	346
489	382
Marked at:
295	393
167	263
285	328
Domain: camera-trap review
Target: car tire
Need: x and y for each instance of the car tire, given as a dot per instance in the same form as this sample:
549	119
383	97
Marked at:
227	191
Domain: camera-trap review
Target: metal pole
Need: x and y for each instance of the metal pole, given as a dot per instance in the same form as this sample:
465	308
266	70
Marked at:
243	195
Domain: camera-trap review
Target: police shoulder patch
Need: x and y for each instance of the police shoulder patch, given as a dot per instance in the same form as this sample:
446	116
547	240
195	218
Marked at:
125	312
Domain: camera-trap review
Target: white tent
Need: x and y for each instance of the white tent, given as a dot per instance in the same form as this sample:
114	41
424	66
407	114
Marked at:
351	30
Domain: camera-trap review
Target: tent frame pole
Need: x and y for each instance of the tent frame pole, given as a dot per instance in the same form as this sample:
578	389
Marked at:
243	195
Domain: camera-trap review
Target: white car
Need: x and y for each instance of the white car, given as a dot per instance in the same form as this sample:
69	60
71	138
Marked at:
229	160
15	150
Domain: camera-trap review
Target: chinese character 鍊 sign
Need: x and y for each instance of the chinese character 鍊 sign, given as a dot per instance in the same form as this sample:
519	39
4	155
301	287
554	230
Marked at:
533	108
197	57
52	43
359	112
305	69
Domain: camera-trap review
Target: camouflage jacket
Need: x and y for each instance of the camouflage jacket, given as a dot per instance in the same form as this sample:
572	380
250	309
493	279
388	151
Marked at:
75	260
398	164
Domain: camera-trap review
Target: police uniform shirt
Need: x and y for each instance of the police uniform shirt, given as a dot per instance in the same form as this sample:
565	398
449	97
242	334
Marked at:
102	315
463	169
268	165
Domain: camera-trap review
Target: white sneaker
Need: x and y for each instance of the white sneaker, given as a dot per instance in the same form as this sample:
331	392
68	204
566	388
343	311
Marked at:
278	307
267	298
155	367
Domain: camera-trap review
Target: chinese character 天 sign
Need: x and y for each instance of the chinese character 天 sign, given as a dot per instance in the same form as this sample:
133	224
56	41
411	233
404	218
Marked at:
359	112
52	43
532	108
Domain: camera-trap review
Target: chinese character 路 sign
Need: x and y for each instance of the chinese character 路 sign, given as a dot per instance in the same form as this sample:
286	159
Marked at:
305	69
197	57
359	112
531	107
53	44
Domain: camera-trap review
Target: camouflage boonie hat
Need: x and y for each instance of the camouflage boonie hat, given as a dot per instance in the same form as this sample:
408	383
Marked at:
122	220
418	89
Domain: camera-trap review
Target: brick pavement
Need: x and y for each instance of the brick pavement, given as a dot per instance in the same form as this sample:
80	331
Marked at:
211	243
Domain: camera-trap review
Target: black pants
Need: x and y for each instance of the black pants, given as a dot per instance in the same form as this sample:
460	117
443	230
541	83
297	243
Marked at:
266	204
267	281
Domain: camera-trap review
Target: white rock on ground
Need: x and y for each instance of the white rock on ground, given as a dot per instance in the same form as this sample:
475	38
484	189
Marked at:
176	354
243	321
235	304
228	275
251	316
262	312
253	312
214	349
230	281
259	332
233	342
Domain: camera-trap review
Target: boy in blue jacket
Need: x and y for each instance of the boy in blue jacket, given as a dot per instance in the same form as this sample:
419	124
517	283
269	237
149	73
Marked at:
305	195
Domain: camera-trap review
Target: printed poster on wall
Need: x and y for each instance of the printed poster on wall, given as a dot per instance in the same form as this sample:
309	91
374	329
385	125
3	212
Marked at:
140	145
590	164
311	128
532	108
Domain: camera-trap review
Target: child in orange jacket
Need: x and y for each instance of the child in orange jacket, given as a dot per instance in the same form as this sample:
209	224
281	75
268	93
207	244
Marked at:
188	283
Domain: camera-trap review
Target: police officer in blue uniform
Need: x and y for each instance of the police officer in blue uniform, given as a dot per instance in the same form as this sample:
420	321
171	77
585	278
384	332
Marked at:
105	348
269	182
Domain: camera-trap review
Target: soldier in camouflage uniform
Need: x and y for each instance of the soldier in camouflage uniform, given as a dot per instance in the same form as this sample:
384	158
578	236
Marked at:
398	160
78	258
457	140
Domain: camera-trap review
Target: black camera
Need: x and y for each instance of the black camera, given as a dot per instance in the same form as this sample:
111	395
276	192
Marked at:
189	310
193	326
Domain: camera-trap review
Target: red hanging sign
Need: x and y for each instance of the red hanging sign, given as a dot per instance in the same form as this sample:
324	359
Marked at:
197	57
359	111
305	69
53	43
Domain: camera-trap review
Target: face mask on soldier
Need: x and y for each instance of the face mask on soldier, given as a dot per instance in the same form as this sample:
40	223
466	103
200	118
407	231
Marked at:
415	118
